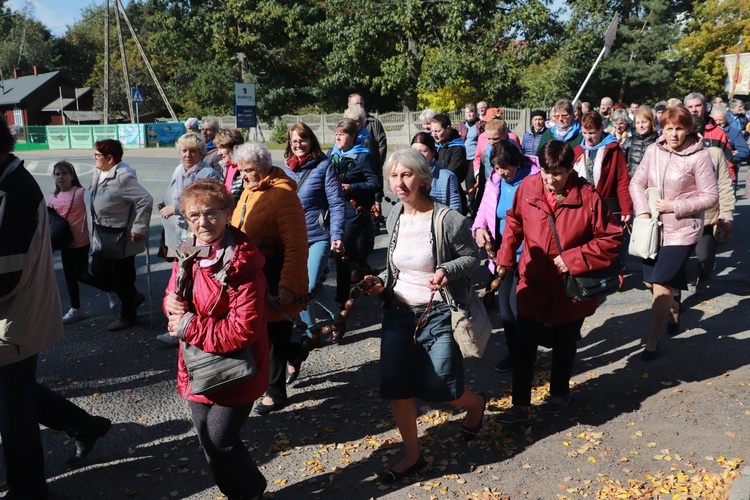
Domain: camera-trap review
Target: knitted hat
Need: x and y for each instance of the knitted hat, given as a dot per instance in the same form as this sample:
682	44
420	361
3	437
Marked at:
538	112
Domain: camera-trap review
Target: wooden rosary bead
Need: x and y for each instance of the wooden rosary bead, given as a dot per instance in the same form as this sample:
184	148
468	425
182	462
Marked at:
349	304
344	314
326	330
355	292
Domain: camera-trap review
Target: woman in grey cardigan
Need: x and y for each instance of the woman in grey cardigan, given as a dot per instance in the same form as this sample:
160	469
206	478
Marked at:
117	200
418	356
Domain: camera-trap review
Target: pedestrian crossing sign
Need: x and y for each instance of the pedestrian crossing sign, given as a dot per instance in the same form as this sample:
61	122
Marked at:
136	96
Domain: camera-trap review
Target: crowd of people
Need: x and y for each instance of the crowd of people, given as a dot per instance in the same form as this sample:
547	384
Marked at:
253	243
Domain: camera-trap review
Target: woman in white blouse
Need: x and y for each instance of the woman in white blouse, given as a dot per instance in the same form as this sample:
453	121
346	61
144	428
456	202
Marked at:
418	356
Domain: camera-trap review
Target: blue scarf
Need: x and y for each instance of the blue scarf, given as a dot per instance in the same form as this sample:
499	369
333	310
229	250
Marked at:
455	143
352	153
362	134
607	138
575	129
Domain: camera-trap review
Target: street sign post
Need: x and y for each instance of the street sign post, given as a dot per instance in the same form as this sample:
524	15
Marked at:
245	109
136	96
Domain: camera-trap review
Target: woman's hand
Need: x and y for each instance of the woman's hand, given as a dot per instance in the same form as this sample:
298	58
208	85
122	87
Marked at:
373	286
439	280
625	218
175	304
286	297
345	188
560	264
135	237
166	211
482	237
337	246
664	206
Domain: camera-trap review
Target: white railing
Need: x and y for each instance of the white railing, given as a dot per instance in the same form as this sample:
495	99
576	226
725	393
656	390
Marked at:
399	127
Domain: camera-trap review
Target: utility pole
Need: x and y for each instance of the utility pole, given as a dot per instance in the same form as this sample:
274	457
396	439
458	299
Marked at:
146	61
106	62
124	62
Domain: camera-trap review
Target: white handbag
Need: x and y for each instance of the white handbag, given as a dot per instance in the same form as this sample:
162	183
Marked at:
645	235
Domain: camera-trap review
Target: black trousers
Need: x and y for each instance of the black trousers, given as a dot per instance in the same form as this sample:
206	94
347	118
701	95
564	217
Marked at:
117	275
75	262
233	467
359	244
24	404
281	351
705	250
564	339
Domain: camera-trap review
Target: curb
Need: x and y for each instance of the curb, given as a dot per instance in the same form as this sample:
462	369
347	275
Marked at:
741	486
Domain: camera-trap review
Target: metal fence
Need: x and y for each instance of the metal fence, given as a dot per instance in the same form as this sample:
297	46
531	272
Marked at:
399	128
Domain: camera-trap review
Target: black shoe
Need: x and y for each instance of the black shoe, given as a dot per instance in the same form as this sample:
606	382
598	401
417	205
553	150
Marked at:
121	324
673	328
505	365
392	476
470	433
262	409
647	355
558	407
139	299
85	440
291	377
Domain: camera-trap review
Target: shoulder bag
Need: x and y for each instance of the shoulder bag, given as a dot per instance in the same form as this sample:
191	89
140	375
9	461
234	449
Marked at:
644	237
470	322
59	228
106	242
591	284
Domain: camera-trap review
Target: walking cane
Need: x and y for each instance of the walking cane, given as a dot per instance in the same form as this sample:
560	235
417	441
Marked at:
150	292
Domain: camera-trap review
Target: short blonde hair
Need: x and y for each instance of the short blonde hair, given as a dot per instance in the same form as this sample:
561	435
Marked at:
191	140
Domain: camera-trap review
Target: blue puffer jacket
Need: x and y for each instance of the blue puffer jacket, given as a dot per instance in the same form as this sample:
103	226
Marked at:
319	190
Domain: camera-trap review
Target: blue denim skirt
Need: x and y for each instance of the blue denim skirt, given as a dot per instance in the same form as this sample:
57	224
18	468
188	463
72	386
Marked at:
431	368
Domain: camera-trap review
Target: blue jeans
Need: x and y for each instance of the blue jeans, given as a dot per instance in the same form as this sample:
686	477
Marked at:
317	260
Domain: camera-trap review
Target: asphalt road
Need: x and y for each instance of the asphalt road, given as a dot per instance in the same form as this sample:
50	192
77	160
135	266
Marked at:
337	433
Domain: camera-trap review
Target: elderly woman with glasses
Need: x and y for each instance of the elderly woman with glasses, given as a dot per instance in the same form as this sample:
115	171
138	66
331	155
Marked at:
117	200
226	312
192	150
566	127
270	213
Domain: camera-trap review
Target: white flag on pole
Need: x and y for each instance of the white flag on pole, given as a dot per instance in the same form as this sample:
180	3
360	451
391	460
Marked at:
742	82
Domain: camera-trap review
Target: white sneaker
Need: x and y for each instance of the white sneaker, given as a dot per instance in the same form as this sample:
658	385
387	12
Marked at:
112	296
168	339
73	315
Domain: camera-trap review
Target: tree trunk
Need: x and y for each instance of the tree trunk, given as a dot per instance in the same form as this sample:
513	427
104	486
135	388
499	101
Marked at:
415	70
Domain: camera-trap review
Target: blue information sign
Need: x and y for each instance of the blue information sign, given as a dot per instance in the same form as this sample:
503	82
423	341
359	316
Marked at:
245	110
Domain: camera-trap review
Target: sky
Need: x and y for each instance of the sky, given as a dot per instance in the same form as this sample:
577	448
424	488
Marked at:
55	14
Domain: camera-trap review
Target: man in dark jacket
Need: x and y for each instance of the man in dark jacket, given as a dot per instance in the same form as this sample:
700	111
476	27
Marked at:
30	320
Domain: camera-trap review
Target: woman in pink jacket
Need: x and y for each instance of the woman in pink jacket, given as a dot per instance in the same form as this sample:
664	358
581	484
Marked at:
225	311
681	169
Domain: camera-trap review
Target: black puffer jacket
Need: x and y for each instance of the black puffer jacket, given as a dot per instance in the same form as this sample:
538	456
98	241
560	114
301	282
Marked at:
635	146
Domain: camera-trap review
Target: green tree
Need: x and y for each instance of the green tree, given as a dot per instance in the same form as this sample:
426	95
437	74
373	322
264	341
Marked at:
24	43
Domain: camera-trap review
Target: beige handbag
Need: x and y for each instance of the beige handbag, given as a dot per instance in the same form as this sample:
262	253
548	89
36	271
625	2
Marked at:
645	235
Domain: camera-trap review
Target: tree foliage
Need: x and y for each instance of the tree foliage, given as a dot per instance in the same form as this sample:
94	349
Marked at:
400	54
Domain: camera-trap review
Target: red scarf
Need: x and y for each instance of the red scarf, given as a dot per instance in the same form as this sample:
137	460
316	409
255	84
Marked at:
295	162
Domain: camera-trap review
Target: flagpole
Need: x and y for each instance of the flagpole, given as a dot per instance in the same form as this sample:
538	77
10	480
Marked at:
596	63
736	69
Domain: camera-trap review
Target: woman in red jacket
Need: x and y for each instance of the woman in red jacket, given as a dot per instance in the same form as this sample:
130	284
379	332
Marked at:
226	312
590	238
600	161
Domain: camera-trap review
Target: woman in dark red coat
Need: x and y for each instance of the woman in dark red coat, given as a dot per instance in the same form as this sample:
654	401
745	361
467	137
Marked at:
590	238
600	161
226	312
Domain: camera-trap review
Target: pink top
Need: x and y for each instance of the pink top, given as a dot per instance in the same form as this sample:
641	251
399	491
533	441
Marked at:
413	259
75	215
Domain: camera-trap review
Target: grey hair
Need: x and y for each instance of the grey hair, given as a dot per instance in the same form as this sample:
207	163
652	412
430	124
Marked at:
609	99
427	114
619	114
414	161
564	105
192	140
483	102
212	122
719	110
251	152
733	103
470	107
356	113
694	95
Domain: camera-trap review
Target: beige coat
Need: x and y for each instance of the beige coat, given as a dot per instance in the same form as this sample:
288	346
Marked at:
725	209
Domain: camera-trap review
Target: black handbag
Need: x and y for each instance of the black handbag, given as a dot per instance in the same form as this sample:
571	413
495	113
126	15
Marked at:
214	372
108	242
60	234
591	284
